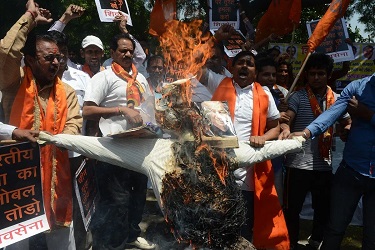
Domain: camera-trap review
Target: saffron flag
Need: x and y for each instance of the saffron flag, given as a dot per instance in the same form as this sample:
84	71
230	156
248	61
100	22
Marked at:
336	10
162	12
280	18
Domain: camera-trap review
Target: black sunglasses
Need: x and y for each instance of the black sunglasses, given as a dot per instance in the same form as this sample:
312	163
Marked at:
51	57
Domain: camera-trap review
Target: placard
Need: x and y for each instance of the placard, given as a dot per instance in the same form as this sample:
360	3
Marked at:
223	12
362	66
107	10
334	44
22	212
232	46
86	190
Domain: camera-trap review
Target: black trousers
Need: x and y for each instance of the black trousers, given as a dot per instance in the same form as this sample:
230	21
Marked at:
120	208
297	184
247	227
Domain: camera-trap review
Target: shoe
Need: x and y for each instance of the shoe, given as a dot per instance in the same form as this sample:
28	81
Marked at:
142	243
314	243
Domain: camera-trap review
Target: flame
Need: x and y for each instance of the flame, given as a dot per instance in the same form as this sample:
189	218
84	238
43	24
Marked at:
221	167
185	48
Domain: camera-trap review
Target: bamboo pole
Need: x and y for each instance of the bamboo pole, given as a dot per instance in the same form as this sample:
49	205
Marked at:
291	59
297	77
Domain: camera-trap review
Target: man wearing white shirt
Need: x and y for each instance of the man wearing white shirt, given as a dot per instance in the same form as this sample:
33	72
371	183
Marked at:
92	47
117	90
255	118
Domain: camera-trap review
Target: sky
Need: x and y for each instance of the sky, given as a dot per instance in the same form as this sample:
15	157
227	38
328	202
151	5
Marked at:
354	22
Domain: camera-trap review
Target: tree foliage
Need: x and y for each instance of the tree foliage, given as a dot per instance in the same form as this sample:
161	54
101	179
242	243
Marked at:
365	9
89	23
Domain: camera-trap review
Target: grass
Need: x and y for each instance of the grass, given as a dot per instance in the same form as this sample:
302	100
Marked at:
352	239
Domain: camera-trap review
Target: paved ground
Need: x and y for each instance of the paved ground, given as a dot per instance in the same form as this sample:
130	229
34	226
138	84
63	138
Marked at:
154	229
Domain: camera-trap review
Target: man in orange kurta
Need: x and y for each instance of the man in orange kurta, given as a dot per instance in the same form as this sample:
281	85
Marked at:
34	98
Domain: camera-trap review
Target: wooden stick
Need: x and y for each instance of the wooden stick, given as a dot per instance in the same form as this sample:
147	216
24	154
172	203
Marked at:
297	77
291	59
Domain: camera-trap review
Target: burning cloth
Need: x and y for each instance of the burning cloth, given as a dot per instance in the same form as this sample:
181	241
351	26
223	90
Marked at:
155	157
194	185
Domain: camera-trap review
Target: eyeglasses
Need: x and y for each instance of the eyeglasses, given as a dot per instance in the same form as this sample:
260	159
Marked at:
52	57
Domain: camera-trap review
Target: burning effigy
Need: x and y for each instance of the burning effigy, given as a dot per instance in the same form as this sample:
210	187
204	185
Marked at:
192	174
201	201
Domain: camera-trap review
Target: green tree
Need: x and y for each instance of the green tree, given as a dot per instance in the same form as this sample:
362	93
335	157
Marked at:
89	23
365	9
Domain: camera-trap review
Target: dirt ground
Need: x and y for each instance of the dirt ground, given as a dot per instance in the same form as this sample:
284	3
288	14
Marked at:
155	230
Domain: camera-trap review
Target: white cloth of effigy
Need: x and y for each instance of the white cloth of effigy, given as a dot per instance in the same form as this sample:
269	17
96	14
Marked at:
154	157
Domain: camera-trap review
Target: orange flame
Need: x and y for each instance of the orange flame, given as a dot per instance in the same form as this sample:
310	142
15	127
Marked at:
185	48
222	168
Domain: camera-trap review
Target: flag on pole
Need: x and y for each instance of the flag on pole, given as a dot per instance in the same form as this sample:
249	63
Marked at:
163	11
280	18
336	10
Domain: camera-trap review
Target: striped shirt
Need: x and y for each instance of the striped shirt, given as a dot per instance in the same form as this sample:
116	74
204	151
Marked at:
309	158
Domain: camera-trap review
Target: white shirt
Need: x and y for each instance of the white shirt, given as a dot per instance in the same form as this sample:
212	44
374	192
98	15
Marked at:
78	80
6	131
201	93
73	65
106	89
243	116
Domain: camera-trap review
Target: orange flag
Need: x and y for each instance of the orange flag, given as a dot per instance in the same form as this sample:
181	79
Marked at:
163	11
336	10
280	18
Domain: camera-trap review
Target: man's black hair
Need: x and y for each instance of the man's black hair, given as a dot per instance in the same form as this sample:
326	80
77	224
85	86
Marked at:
275	48
32	39
320	61
261	62
61	38
241	54
154	58
114	43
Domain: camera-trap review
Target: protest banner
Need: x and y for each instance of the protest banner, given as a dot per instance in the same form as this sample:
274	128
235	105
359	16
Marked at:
223	12
334	44
107	10
22	212
362	66
232	46
86	190
226	12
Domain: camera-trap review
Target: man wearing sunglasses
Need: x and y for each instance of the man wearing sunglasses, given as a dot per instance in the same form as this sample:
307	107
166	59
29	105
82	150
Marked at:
35	98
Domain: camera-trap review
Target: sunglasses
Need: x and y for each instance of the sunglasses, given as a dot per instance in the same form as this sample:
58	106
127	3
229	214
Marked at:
52	57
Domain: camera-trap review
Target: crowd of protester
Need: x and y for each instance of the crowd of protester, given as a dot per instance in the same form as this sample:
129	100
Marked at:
256	87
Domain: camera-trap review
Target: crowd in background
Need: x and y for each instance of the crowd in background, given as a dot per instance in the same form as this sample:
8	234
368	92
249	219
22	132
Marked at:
256	83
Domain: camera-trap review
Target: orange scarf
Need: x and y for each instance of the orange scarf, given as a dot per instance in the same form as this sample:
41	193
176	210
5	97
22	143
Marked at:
86	68
27	113
325	139
270	229
134	90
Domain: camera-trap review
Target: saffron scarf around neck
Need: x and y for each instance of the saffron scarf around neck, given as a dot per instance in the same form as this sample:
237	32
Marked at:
27	113
325	139
86	68
134	90
270	231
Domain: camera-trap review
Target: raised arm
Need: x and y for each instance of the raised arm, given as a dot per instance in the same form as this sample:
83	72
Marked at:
72	12
14	41
139	56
